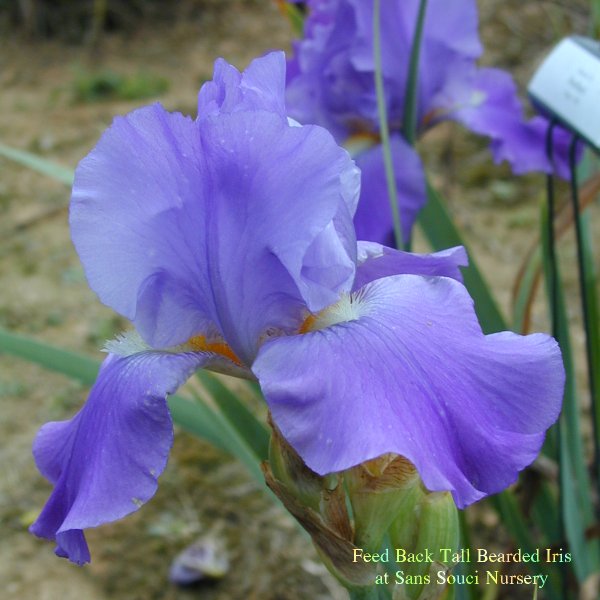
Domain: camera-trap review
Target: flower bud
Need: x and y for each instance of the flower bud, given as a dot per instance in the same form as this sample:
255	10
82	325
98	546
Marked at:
319	505
436	526
387	496
379	491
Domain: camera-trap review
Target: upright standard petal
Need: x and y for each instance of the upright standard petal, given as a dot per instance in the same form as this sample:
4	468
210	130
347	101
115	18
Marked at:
402	366
105	461
137	223
276	202
323	86
260	87
220	224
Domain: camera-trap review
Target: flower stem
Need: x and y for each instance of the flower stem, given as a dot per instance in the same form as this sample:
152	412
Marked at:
552	271
409	118
587	281
383	126
555	297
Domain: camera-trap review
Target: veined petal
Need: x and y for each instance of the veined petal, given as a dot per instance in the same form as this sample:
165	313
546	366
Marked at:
279	198
375	261
105	461
137	223
232	222
373	218
407	370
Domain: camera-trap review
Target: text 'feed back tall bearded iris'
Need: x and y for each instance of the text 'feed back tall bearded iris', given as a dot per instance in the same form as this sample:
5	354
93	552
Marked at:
228	242
330	82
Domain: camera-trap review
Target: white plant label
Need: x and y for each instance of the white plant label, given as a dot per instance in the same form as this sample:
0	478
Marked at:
567	84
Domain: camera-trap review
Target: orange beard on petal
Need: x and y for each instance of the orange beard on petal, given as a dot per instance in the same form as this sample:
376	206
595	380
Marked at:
199	343
307	324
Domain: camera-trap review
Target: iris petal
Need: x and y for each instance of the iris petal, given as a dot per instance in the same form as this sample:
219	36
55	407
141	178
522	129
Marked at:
137	224
275	213
449	37
330	80
171	216
524	146
105	461
376	261
487	102
413	374
259	87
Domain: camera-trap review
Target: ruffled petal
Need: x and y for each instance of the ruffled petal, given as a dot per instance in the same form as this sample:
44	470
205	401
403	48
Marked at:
260	87
323	86
450	37
375	261
136	222
231	222
278	227
373	218
330	77
409	371
105	461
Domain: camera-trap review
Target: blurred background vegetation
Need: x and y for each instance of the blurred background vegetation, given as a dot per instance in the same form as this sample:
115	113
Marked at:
84	20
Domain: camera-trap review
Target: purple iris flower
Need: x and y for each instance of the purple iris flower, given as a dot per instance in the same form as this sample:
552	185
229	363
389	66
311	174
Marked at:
228	243
330	82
